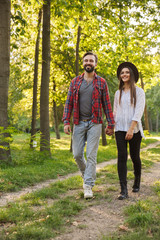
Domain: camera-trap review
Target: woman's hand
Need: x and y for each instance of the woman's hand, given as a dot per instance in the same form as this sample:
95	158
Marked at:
109	131
129	134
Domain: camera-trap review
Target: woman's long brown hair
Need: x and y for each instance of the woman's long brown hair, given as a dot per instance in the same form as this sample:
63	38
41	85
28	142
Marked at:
132	87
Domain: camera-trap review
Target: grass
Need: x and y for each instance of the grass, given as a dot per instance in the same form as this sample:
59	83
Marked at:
30	166
143	217
43	224
44	214
143	222
56	189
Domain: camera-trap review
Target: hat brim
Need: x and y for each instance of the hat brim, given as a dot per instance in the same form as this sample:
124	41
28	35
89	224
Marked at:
130	65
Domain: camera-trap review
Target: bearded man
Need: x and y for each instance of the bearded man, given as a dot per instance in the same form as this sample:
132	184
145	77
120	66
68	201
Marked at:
87	94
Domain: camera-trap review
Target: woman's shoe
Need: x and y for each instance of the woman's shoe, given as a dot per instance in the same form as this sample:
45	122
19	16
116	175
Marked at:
123	196
136	185
124	192
135	189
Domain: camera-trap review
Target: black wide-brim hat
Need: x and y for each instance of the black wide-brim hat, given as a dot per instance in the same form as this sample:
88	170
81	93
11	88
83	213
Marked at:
130	65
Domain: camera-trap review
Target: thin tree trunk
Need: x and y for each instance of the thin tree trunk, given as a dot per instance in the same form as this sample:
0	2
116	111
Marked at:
146	122
5	7
150	124
44	97
77	62
55	116
35	81
104	140
77	50
157	122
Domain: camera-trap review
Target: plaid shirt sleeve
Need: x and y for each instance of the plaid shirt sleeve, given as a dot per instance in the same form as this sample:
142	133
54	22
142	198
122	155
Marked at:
107	106
68	106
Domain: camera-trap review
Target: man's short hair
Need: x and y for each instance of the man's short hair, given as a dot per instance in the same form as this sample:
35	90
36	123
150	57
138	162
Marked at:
91	53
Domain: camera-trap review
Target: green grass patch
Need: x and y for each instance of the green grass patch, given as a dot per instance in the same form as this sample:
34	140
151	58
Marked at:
107	175
41	224
45	213
147	141
143	222
30	166
55	190
156	187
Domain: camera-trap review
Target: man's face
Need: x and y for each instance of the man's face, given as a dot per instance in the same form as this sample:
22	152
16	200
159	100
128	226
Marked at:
89	63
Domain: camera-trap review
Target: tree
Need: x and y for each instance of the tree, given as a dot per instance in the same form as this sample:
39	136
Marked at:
115	30
55	115
153	103
4	77
35	82
44	97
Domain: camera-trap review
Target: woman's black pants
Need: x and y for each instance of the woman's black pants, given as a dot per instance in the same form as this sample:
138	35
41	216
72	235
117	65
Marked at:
134	148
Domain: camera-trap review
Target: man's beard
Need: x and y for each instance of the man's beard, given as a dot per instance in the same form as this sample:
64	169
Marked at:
89	68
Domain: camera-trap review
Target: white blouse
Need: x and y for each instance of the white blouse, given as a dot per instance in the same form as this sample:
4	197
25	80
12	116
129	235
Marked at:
124	113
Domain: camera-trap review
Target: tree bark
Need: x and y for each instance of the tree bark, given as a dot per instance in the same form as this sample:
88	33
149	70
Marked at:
157	122
44	97
55	116
150	124
104	140
35	81
77	50
77	63
146	122
5	7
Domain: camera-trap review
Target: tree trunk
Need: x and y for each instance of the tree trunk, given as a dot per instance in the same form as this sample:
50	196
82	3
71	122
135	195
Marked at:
146	122
5	7
104	140
55	116
77	62
157	122
150	125
35	81
44	97
77	50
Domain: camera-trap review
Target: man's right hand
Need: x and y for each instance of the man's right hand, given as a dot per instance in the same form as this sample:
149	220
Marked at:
109	131
67	129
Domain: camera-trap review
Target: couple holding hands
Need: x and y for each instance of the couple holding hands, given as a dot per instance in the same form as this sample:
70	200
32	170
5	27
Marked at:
87	95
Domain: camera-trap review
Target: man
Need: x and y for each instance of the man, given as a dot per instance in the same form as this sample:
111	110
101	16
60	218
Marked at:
87	94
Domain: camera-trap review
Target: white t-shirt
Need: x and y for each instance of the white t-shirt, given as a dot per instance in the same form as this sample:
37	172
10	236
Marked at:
124	113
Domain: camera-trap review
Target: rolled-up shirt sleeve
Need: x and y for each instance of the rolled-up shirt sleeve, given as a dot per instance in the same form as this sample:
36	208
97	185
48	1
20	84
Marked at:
140	105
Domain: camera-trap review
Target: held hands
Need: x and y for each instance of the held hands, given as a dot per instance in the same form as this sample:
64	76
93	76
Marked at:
109	131
67	129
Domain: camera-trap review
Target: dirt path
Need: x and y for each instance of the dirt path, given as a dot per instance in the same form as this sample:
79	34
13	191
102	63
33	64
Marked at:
11	197
108	217
102	217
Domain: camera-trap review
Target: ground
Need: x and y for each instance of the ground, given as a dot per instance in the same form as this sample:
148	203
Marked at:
105	217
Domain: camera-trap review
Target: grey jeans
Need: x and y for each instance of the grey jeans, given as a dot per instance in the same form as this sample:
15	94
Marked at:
90	132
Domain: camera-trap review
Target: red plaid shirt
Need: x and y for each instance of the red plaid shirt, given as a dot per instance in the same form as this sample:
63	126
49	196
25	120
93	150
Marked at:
100	98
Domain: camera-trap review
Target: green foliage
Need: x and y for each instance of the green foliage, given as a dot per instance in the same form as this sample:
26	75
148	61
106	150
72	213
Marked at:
116	31
153	103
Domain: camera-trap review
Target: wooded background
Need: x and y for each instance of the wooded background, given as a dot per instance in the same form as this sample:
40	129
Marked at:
41	47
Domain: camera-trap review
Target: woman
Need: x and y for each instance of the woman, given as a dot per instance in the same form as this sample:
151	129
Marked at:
129	103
